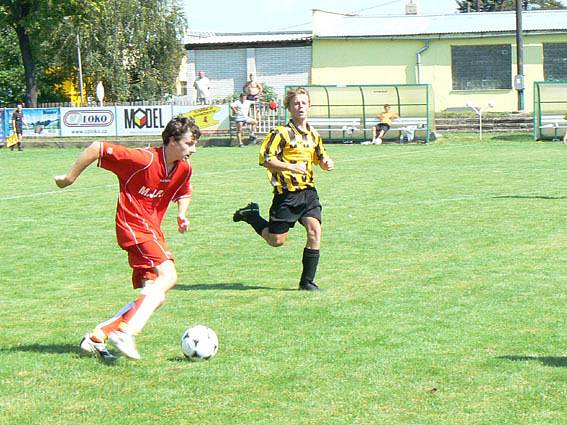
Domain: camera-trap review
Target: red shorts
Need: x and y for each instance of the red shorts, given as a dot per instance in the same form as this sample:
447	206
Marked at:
144	257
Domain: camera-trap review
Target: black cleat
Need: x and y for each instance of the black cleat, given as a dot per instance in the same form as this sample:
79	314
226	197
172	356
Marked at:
243	214
308	286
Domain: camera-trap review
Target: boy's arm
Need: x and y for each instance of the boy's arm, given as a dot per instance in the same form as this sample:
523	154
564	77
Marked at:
183	223
86	158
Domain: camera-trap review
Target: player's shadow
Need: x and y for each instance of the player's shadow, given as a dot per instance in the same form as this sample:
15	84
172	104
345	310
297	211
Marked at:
49	349
44	348
226	287
545	360
528	197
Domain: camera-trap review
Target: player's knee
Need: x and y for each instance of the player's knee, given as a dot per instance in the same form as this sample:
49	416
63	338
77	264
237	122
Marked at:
276	240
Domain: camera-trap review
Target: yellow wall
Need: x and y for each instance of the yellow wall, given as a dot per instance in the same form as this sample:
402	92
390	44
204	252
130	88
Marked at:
394	62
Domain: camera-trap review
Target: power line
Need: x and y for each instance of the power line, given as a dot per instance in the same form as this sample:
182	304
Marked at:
354	12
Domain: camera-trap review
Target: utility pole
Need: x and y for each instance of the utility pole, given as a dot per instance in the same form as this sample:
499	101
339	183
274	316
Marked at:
478	5
80	68
519	78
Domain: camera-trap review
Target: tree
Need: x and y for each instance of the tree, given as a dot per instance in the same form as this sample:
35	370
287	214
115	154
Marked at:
501	5
133	47
12	87
30	20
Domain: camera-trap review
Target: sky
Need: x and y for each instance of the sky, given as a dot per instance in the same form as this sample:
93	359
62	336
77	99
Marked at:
291	15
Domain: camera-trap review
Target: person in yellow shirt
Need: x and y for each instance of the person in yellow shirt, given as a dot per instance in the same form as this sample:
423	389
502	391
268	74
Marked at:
289	153
384	125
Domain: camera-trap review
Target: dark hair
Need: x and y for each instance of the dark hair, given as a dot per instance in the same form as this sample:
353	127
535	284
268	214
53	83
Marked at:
178	127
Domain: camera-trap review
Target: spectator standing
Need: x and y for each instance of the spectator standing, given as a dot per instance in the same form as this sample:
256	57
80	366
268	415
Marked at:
203	86
18	126
253	89
241	111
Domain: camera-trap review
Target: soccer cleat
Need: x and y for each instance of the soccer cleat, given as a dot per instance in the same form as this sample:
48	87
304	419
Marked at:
243	214
97	348
308	286
125	343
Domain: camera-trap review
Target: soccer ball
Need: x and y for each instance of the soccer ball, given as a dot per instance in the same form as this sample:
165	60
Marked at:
199	343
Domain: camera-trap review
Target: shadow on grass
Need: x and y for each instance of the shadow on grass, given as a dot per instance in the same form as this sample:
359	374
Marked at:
226	287
545	360
515	137
528	197
53	349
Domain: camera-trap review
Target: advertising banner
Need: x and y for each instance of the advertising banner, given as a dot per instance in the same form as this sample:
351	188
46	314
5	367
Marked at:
38	122
2	132
209	118
88	122
142	120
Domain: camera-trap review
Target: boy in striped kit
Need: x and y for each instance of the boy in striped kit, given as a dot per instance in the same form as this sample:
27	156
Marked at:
149	179
289	153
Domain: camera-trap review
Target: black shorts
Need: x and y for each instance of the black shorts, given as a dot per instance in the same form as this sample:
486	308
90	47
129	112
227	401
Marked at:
289	207
382	126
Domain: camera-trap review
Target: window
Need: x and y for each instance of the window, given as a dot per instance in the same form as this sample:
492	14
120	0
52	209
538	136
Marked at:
555	61
486	67
182	88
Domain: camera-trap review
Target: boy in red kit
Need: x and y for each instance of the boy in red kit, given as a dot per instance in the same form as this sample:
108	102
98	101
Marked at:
149	180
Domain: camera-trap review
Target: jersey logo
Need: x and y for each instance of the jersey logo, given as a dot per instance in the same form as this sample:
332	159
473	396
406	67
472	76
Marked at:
150	193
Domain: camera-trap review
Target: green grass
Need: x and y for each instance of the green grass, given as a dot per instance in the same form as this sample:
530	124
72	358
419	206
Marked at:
443	302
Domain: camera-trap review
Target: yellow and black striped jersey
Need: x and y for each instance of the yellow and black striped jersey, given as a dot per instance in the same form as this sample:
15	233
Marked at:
290	144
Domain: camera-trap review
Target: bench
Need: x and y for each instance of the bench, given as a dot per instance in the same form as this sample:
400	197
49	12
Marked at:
349	129
344	127
553	122
404	126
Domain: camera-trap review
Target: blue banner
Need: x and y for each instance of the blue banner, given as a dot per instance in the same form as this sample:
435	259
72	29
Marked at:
2	131
38	122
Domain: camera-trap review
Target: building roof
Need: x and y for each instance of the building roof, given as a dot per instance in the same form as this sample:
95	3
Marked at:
208	40
336	25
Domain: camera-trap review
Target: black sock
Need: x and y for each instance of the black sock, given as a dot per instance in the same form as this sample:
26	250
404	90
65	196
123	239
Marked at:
258	223
310	262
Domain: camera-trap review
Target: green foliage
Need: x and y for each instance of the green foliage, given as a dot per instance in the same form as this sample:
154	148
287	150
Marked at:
501	5
443	302
12	87
268	93
33	22
133	47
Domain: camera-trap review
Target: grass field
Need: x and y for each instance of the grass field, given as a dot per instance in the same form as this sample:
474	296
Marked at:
444	292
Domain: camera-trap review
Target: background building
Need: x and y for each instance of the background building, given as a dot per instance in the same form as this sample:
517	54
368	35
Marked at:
277	59
466	57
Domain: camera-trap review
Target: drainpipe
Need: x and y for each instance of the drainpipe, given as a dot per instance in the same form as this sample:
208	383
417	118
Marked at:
418	60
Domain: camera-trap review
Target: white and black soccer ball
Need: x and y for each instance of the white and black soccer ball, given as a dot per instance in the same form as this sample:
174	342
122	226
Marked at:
199	343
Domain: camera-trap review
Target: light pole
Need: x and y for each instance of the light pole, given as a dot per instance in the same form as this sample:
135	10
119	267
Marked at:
519	78
79	62
80	69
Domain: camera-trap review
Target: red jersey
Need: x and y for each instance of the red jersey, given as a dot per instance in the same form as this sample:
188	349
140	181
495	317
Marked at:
146	189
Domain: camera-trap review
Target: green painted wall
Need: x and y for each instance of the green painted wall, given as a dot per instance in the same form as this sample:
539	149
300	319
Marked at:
394	62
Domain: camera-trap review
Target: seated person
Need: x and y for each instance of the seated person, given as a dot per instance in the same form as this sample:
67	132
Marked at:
384	125
241	110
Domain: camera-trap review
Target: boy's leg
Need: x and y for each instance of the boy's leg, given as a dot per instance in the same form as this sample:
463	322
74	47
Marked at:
310	258
129	321
239	126
251	214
